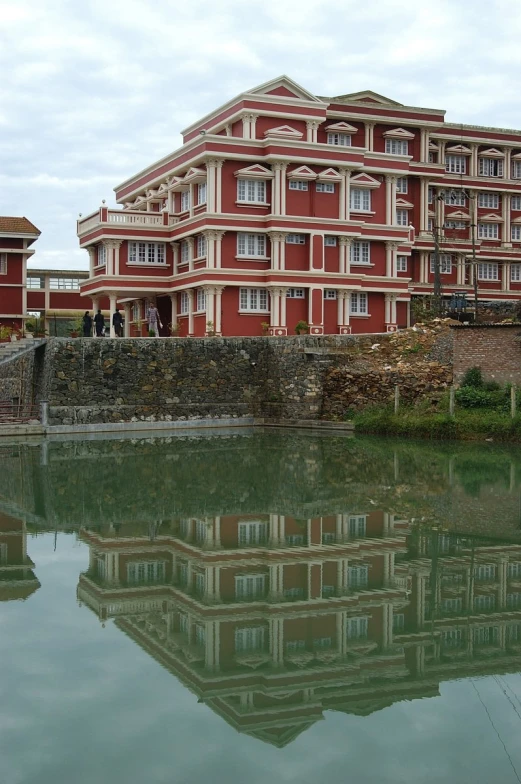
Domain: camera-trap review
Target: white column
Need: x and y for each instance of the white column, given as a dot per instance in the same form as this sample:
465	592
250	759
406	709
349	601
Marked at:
473	161
92	251
390	309
210	248
175	254
390	259
278	195
343	311
344	255
218	323
278	250
126	325
506	239
190	293
173	310
276	573
424	204
109	264
210	308
192	194
507	166
190	243
277	641
211	180
312	131
441	152
369	136
505	276
345	195
116	245
460	271
424	146
218	185
248	126
390	200
113	302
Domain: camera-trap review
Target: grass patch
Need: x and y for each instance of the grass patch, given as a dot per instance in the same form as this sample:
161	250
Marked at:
466	425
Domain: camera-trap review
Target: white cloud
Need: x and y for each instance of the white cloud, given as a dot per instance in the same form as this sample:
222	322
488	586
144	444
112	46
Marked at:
88	99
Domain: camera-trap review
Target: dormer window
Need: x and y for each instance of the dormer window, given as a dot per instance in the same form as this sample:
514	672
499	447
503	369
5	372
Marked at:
340	139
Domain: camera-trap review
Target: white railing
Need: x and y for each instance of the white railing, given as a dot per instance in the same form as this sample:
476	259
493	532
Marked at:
132	607
142	218
88	223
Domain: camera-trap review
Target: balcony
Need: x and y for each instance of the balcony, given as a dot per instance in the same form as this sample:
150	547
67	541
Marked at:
115	218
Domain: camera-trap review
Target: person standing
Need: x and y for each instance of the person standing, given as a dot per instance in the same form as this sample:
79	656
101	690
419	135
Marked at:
87	325
154	322
99	323
117	323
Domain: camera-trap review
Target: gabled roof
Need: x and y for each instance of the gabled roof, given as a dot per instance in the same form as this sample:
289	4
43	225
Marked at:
492	217
302	173
492	152
365	96
17	226
329	175
284	132
459	148
458	214
284	86
398	133
254	171
365	181
404	204
342	126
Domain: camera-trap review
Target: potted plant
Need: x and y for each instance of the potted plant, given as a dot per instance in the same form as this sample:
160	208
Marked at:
5	334
37	328
174	329
210	329
265	325
151	333
77	327
301	327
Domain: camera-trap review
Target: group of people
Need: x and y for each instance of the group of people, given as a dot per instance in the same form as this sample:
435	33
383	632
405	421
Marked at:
153	319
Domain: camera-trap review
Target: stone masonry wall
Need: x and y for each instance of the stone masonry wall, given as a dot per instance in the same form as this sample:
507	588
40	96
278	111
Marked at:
20	378
496	349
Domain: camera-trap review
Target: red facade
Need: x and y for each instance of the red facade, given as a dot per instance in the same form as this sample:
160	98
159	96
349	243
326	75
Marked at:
16	237
282	207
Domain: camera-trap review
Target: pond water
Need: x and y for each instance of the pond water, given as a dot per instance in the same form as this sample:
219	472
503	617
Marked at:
259	607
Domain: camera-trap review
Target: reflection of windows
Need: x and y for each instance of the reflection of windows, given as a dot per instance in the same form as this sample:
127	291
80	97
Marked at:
485	635
200	583
513	632
514	600
327	591
146	572
249	639
183	574
250	586
322	643
252	533
183	623
358	576
514	569
294	540
452	638
398	622
485	572
450	606
357	628
295	645
357	525
485	602
200	530
200	634
101	566
294	593
328	538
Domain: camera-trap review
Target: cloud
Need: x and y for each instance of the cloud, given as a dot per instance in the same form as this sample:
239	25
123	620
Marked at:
88	99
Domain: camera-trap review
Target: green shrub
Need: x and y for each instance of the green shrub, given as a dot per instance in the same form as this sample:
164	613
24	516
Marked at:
473	378
473	397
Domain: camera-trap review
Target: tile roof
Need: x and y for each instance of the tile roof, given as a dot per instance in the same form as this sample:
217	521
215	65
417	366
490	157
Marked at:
17	226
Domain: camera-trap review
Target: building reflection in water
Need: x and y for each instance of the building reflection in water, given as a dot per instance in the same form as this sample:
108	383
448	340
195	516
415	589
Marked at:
17	579
271	619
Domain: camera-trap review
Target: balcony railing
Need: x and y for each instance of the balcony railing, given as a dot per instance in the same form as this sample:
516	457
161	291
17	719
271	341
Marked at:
105	216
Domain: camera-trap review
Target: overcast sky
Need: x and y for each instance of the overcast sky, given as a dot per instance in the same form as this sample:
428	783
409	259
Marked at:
93	91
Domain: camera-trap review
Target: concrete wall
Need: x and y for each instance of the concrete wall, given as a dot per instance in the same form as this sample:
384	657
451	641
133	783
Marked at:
496	349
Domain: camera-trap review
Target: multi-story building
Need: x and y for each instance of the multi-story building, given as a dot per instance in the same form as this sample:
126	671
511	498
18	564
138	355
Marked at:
282	206
54	296
16	237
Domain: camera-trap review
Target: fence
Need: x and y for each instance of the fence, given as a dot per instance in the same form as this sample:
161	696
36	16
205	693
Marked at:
19	413
452	400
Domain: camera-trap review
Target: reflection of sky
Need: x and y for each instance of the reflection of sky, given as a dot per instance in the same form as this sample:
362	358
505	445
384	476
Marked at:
83	704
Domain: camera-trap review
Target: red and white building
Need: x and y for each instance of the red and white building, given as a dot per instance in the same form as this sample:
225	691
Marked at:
282	206
16	237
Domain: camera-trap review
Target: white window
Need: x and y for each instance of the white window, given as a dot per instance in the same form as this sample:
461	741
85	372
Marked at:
396	147
398	622
146	253
252	532
488	200
329	293
516	232
359	304
340	139
201	245
455	224
430	224
490	167
445	264
185	252
183	305
488	271
325	187
514	568
3	263
185	201
296	294
515	273
358	576
251	191
485	602
360	199
452	638
485	573
455	198
401	264
357	526
452	605
146	572
402	185
102	255
249	639
251	245
488	231
64	284
357	628
514	600
516	203
201	300
432	157
201	193
298	185
457	164
431	194
32	283
359	253
330	240
485	635
402	217
296	239
250	586
516	170
254	300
